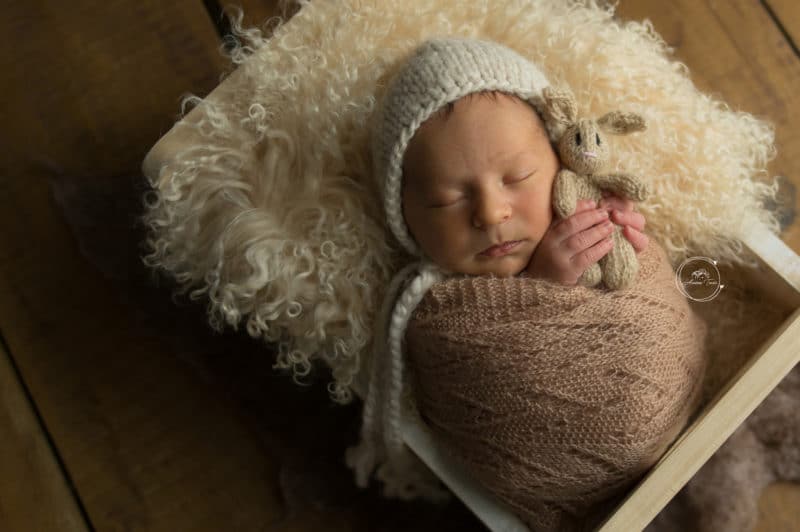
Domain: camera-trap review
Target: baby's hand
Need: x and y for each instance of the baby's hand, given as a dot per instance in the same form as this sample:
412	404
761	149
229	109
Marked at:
573	244
622	213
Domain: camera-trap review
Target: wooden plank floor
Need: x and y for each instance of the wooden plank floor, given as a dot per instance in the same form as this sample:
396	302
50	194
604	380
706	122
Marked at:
120	409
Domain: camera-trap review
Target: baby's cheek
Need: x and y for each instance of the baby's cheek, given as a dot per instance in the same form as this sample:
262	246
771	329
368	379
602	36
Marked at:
541	220
442	241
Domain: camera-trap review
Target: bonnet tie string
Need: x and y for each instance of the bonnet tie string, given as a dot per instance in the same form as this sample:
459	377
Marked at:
381	439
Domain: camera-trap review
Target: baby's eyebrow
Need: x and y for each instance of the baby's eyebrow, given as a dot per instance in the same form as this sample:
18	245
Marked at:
512	158
525	153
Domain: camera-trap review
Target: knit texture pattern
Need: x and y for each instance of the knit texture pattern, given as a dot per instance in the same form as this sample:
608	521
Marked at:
438	72
556	398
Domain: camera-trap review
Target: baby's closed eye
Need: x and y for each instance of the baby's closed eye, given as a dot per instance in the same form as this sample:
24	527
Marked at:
456	194
441	205
523	176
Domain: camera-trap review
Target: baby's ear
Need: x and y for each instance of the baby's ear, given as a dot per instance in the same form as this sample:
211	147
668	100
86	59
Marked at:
620	123
560	110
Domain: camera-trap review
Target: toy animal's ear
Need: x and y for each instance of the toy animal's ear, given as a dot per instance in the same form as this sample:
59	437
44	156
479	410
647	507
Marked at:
621	123
560	110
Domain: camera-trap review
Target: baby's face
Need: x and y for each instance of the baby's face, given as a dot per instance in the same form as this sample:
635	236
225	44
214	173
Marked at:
477	178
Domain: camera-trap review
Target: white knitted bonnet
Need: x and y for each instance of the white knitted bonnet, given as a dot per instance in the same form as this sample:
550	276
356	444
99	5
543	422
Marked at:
438	72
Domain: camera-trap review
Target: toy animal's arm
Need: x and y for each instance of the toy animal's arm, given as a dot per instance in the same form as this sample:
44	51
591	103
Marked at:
624	185
565	193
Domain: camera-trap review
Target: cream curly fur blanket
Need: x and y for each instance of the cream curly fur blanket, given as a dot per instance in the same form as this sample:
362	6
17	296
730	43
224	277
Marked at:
269	212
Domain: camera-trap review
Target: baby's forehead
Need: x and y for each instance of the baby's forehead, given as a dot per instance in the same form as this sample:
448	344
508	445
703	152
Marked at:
497	97
507	112
510	136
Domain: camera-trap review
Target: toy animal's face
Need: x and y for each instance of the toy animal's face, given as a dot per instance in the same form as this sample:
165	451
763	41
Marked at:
583	148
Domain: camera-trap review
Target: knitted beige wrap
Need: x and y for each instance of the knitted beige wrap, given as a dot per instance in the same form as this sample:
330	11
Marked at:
555	397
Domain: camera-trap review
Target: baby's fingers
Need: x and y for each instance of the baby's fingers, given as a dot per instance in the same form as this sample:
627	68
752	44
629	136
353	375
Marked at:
611	202
637	239
580	221
631	218
581	261
584	239
585	205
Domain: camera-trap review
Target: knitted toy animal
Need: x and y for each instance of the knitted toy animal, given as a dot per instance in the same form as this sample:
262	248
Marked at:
584	152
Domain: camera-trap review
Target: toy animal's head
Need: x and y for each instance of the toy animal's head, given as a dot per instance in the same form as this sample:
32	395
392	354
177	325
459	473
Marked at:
581	143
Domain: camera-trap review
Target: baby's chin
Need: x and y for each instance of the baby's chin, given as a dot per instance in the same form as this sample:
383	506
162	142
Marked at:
504	270
507	266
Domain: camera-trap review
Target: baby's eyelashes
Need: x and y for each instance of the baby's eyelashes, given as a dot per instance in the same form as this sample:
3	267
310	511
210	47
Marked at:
442	204
468	192
523	177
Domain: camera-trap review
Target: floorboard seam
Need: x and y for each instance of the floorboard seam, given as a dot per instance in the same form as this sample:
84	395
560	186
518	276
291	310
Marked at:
50	442
781	27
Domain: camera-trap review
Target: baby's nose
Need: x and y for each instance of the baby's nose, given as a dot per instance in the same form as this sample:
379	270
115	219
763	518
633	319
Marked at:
492	211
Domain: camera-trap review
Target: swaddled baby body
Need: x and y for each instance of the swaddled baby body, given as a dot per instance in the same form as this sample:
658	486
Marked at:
556	398
529	383
552	394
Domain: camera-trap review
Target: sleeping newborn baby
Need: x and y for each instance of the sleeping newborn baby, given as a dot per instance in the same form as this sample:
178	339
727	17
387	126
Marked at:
555	396
477	195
